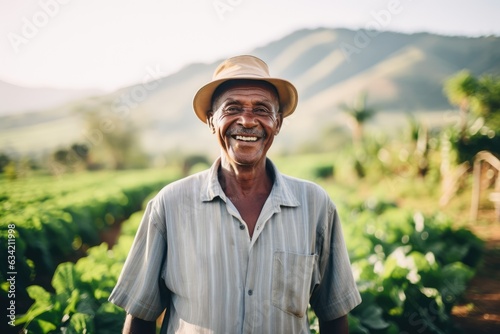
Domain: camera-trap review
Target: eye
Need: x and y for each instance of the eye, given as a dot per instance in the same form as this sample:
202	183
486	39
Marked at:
261	111
232	109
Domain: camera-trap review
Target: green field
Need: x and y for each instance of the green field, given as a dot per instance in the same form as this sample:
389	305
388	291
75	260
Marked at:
46	220
411	258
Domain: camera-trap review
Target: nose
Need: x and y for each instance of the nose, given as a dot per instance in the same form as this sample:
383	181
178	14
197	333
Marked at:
247	118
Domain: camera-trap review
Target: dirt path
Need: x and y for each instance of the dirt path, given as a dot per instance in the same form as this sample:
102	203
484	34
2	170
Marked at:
479	312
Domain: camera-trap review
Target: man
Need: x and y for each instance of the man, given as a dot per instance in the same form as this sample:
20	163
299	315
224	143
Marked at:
239	248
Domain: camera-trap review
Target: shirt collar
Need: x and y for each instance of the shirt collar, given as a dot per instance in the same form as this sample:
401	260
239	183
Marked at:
281	193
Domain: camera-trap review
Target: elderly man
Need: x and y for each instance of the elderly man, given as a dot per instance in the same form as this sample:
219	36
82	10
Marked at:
239	248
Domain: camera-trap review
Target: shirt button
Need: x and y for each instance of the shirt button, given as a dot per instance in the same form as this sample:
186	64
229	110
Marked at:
242	227
250	292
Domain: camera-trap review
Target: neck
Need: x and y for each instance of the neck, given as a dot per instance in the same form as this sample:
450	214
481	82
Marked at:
245	181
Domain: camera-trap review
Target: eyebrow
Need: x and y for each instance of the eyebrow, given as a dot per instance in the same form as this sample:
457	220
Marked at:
265	102
230	101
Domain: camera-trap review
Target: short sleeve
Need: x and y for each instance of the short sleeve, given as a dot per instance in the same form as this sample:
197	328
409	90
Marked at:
337	293
140	289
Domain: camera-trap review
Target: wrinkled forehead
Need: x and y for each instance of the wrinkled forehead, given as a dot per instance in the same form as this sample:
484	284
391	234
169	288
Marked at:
241	85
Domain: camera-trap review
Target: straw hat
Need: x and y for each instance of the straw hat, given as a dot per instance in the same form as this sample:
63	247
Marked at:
248	68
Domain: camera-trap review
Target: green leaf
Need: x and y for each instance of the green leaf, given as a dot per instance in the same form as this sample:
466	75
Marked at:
372	318
81	324
38	294
455	277
110	308
65	277
355	326
44	326
72	302
109	318
392	329
33	313
87	305
43	303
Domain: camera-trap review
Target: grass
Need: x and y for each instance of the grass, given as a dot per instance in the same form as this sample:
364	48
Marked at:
406	191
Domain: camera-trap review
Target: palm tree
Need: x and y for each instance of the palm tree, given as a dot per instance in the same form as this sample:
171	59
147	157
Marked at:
460	90
486	101
358	114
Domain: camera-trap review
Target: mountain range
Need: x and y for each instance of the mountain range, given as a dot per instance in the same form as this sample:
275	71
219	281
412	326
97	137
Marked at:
17	99
401	73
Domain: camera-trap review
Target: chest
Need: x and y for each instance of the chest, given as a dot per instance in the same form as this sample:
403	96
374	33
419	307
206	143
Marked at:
216	247
250	210
212	264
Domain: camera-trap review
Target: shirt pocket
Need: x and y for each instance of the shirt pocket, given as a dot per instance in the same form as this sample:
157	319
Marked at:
291	281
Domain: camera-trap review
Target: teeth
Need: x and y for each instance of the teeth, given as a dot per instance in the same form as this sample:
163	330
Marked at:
246	138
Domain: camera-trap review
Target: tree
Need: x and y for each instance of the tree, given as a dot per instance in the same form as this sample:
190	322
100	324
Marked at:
419	137
193	160
486	101
4	161
479	101
460	89
61	156
358	114
116	137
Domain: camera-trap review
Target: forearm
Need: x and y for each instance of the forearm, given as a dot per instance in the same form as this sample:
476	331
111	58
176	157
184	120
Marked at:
138	326
336	326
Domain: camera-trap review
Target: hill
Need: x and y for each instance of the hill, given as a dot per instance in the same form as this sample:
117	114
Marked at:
17	99
400	72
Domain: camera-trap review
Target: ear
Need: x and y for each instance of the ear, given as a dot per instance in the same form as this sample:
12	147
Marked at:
279	122
210	120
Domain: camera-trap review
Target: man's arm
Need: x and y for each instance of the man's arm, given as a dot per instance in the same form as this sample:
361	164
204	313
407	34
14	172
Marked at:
336	326
138	326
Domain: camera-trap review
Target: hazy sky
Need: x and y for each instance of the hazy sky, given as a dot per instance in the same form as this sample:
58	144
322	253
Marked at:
108	44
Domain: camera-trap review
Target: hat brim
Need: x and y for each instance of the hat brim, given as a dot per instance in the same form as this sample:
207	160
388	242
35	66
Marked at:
288	97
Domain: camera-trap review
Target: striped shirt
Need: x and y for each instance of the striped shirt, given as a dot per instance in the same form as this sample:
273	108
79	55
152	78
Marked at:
193	256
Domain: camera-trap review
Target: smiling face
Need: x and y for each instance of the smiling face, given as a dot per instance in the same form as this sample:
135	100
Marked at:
245	119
